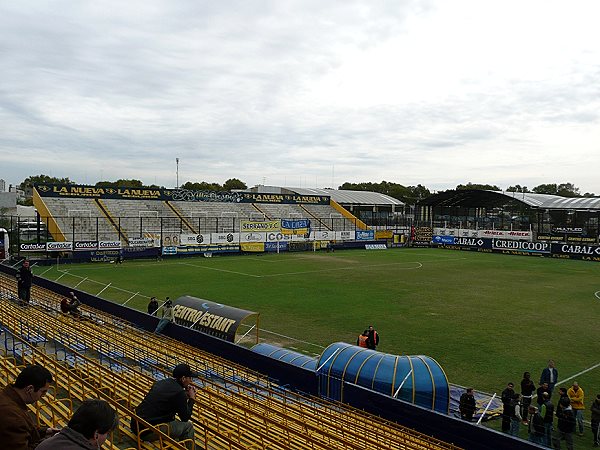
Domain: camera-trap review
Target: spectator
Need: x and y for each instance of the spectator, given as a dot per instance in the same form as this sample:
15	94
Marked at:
550	376
527	389
467	405
18	430
24	279
595	409
540	393
515	418
566	424
506	397
547	412
88	428
167	316
536	427
64	305
153	306
166	398
373	338
362	339
74	304
575	394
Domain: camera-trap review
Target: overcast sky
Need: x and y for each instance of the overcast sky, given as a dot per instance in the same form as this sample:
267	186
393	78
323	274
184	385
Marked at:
302	93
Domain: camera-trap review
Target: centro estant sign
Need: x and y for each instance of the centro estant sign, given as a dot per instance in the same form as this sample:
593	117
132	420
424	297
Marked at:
212	318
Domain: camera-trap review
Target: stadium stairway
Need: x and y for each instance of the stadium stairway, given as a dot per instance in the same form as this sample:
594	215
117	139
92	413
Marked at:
236	408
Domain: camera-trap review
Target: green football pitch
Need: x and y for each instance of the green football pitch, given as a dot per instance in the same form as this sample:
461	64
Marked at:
486	318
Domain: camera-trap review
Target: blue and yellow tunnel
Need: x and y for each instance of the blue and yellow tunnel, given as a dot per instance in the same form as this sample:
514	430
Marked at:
415	379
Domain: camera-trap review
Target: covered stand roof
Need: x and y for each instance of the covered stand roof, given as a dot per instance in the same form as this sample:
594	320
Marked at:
477	198
351	197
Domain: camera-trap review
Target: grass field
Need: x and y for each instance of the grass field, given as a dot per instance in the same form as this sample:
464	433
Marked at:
486	318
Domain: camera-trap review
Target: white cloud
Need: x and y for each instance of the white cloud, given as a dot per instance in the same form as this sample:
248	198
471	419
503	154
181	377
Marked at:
437	93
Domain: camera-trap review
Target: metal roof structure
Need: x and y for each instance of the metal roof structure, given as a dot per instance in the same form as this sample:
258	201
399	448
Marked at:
350	197
475	198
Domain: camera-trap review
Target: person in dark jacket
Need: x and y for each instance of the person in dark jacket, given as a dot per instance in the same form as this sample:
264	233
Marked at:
88	428
547	412
467	405
18	430
595	409
373	339
540	393
507	410
24	279
549	375
566	424
535	426
153	306
166	398
527	390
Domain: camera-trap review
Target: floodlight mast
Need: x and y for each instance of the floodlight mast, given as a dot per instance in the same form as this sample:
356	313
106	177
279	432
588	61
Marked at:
177	173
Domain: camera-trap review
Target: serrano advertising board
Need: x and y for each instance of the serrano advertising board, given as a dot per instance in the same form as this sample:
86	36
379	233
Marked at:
212	318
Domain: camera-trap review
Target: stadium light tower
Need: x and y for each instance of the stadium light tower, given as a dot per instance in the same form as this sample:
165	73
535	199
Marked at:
177	172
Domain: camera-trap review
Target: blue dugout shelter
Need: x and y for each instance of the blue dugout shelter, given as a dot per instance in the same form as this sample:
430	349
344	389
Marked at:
289	356
415	379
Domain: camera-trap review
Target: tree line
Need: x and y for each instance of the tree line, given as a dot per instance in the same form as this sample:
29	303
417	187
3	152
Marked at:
407	194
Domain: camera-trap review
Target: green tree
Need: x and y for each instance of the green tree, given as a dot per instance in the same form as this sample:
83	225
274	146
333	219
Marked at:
120	183
234	183
469	185
29	182
517	188
410	194
202	186
563	189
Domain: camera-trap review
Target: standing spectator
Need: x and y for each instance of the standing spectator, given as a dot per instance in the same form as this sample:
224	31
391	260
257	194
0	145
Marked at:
166	398
549	375
24	279
535	427
167	316
575	394
373	338
88	428
547	412
362	339
506	397
595	409
540	393
566	424
467	405
515	418
18	429
527	389
153	306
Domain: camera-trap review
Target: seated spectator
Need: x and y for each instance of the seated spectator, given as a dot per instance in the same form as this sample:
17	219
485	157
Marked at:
165	399
74	304
64	305
88	428
18	430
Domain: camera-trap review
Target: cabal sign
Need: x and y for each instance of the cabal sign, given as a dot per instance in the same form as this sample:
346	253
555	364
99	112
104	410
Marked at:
591	250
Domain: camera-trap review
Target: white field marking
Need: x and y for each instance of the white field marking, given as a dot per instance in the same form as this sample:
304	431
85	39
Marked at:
597	294
291	338
345	268
220	270
577	374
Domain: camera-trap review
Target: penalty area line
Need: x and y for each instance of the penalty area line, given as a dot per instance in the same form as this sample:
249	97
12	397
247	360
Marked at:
221	270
